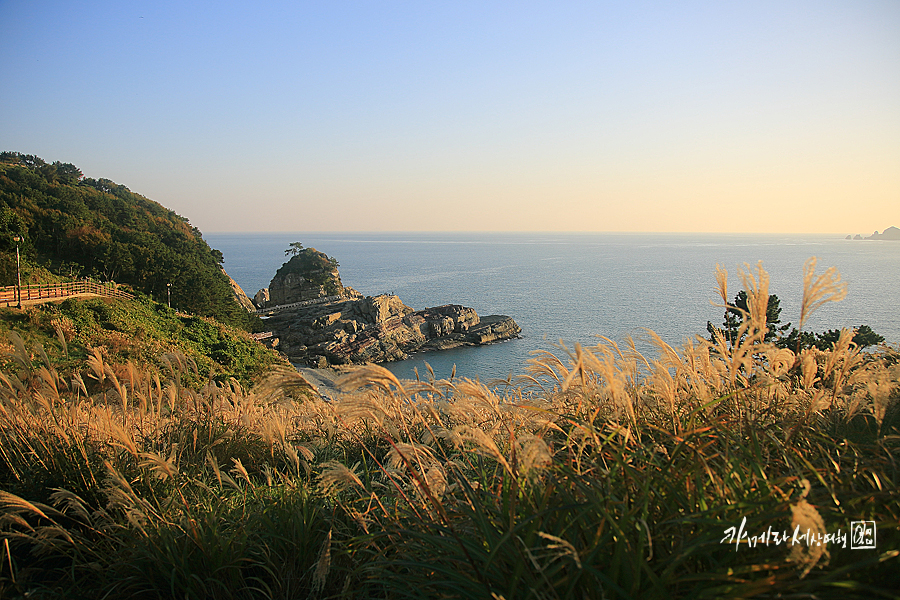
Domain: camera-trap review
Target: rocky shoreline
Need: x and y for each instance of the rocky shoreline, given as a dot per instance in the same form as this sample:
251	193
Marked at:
317	321
379	329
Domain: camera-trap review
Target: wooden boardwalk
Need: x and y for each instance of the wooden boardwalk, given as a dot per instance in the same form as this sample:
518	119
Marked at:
274	309
50	292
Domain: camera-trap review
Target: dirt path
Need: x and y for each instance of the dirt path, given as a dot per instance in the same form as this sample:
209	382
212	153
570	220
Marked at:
323	380
35	301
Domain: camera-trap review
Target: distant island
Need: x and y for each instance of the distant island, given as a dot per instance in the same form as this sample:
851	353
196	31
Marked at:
315	320
891	233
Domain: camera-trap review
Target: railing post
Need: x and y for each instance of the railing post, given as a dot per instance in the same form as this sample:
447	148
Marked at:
39	291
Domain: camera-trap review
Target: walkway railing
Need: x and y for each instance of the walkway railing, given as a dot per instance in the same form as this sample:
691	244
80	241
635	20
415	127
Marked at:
280	307
49	291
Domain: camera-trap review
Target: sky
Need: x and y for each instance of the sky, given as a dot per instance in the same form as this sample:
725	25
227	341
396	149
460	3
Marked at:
713	116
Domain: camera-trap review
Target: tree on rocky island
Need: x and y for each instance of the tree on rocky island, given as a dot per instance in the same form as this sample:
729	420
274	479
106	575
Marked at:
308	274
294	249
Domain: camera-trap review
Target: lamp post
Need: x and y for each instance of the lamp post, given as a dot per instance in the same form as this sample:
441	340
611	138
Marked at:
169	294
18	239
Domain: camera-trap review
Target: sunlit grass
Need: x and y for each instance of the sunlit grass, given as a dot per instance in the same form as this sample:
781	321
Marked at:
601	473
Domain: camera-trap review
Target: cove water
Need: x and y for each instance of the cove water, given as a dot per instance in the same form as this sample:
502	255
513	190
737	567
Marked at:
572	287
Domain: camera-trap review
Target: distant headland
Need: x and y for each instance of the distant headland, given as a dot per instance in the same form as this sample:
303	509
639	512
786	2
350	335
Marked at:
891	233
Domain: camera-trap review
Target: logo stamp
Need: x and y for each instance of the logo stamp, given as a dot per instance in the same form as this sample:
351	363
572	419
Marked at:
862	535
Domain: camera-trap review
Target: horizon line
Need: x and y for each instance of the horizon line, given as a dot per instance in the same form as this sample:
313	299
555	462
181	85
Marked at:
535	231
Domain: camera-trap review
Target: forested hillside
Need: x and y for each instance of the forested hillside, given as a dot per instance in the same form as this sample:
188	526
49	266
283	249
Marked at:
82	227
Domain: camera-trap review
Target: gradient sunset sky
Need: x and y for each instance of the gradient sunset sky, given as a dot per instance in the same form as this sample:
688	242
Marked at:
470	116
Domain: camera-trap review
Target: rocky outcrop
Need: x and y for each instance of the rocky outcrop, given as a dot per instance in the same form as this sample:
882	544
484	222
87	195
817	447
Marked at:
308	275
891	233
494	328
380	329
314	319
261	298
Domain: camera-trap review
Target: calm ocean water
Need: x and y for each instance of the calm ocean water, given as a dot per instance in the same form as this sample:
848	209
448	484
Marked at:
573	287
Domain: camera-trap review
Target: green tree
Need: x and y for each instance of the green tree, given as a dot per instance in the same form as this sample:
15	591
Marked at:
67	173
735	313
12	225
863	337
294	249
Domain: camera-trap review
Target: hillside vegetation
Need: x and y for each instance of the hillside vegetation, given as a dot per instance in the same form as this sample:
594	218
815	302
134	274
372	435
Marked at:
140	332
601	473
73	226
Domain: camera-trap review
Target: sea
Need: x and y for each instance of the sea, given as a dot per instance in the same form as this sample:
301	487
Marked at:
569	288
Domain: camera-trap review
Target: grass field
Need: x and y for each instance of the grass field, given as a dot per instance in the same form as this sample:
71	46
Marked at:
601	473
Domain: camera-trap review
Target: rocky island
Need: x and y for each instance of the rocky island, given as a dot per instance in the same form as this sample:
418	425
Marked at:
314	319
891	233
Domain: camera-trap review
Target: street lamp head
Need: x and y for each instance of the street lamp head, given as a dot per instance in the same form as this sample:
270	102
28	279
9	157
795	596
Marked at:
17	239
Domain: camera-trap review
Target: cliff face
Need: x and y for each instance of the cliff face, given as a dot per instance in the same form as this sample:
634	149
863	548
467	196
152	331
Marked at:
239	295
380	329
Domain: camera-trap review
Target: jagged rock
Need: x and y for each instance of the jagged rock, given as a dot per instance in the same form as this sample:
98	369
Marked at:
440	326
261	298
383	307
494	328
326	320
380	329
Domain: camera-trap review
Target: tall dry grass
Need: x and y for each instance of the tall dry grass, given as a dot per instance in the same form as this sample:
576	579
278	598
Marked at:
599	473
